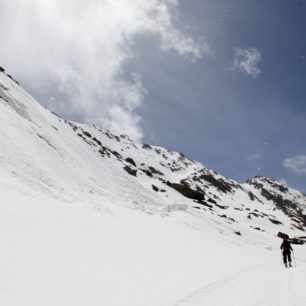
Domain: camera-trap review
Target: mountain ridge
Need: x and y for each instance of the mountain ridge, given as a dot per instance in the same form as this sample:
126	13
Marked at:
75	157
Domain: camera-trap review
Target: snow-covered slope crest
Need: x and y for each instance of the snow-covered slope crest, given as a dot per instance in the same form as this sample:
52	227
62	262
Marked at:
45	155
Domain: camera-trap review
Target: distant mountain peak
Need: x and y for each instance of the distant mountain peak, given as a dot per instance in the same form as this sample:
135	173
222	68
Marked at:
260	180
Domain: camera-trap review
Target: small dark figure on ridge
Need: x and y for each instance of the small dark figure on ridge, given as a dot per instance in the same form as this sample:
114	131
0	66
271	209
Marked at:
286	249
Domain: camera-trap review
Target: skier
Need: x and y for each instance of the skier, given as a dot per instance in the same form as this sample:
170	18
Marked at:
286	248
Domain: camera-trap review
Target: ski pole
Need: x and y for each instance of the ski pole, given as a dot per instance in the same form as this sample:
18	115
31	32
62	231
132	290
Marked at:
294	258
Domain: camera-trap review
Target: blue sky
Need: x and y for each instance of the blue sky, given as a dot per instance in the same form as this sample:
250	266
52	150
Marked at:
221	81
237	124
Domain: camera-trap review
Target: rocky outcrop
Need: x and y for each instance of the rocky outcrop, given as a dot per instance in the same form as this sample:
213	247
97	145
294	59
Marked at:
289	204
188	192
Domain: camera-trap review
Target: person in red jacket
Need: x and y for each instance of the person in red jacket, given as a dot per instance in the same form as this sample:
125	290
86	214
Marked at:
286	249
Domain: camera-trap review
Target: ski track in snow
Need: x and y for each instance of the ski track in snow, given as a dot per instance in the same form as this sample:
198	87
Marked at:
265	285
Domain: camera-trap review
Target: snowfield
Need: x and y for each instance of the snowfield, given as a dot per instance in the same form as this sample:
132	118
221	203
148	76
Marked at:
57	253
89	218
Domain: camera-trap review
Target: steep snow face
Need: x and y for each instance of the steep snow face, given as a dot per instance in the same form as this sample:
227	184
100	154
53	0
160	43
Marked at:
42	153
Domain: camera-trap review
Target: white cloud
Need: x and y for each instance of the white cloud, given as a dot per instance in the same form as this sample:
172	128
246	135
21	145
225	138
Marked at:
296	164
246	60
75	51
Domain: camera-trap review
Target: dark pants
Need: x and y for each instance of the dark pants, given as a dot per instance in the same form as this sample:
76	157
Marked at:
287	255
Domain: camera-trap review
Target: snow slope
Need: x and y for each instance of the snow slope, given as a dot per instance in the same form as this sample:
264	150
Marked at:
92	218
263	284
56	253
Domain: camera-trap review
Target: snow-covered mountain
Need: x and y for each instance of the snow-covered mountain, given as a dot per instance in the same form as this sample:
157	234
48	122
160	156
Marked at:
53	167
43	152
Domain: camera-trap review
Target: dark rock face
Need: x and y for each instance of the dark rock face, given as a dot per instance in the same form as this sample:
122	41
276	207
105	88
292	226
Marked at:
283	189
147	172
2	69
13	79
275	221
221	185
131	161
115	153
253	197
154	171
112	136
155	188
220	206
151	171
130	171
97	141
211	201
87	134
186	191
104	152
146	146
297	241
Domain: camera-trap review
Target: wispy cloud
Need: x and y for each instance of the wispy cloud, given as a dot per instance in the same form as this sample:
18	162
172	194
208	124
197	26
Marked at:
75	51
296	164
284	182
246	60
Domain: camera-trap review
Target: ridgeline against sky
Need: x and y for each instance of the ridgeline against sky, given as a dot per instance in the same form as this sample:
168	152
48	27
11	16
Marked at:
223	82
